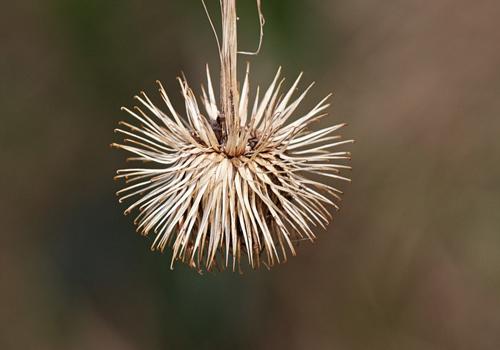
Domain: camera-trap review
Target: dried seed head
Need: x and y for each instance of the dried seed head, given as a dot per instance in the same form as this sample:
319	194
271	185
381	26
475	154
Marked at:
233	180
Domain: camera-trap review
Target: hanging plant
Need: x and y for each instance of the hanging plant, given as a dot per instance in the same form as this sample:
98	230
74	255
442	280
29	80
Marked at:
231	180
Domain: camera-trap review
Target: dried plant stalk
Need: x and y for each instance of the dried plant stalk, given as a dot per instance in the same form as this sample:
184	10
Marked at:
235	182
229	83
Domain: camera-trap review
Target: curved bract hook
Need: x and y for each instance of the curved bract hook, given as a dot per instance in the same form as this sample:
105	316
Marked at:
262	22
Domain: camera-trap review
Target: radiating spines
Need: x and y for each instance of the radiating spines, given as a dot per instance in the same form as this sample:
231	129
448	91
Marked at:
217	192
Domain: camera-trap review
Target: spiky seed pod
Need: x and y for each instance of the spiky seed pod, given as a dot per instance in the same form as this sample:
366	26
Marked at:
233	180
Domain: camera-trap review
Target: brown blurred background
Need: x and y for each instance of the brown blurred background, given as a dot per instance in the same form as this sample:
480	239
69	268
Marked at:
411	262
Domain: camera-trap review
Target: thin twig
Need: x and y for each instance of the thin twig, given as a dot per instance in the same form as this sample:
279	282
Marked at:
212	25
262	22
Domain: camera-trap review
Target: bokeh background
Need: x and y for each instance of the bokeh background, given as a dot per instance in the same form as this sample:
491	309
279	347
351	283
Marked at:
411	262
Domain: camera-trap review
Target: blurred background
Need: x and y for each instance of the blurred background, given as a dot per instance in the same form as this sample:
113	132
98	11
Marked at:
411	262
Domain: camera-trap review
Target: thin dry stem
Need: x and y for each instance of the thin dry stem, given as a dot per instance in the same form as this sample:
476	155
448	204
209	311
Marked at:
229	56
